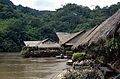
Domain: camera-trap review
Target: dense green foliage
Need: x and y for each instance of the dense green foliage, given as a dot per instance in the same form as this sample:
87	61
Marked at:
18	23
78	56
25	52
107	51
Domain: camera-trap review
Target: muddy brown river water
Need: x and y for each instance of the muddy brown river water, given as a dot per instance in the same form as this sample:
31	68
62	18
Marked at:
12	66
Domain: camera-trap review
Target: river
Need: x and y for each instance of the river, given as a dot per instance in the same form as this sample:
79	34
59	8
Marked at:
13	66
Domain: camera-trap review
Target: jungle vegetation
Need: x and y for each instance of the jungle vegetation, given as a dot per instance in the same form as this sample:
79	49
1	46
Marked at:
18	23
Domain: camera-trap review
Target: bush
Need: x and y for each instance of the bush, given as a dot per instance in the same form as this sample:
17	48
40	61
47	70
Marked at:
78	56
25	52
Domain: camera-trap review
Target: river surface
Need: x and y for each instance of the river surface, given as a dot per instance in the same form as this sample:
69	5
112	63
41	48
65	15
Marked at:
12	66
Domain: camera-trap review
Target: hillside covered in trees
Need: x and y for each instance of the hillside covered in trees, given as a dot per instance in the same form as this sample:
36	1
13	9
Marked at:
18	23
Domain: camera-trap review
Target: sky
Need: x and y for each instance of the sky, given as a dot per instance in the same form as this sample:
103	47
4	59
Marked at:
55	4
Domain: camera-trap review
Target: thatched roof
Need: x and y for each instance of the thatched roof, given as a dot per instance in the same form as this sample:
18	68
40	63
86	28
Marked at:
83	37
104	30
31	43
64	36
67	37
74	37
54	45
47	43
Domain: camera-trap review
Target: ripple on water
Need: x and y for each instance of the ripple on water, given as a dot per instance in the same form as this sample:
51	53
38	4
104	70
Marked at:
15	67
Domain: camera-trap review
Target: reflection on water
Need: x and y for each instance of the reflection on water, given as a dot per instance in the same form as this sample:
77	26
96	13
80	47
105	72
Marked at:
12	66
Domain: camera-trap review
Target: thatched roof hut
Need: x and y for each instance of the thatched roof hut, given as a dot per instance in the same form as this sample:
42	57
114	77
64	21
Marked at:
47	43
107	29
75	37
44	48
64	36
